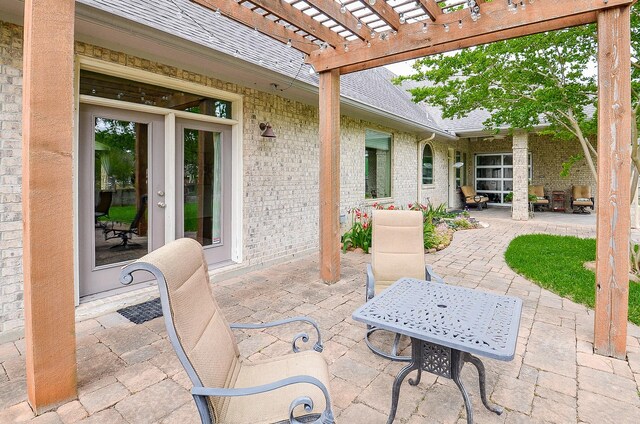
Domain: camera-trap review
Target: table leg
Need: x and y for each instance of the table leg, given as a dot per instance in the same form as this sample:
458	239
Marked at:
483	393
395	393
457	362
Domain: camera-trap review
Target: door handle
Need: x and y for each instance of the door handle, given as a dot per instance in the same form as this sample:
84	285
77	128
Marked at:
162	205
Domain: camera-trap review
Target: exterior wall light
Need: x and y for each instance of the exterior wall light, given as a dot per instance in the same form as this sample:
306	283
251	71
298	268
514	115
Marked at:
266	130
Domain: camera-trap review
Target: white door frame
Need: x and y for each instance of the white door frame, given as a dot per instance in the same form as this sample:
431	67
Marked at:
451	178
170	115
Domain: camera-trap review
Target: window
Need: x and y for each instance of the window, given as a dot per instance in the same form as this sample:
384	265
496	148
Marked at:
494	175
115	88
427	165
377	164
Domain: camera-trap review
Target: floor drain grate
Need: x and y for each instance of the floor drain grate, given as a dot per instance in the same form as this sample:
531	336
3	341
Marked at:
142	312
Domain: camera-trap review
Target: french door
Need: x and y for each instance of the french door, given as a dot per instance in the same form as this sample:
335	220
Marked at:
121	192
203	187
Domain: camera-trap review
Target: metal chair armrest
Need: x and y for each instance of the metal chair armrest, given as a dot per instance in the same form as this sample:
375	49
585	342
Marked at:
430	275
371	284
304	336
325	418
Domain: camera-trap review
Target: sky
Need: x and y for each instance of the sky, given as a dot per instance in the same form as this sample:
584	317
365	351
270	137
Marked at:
401	68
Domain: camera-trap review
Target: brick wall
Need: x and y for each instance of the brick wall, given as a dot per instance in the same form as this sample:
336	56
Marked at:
547	155
11	281
280	175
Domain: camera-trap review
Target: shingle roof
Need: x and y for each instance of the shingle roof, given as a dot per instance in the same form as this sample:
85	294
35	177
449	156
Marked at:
371	87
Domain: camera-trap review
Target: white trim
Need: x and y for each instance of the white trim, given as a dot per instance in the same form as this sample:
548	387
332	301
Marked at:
76	181
170	177
237	183
119	104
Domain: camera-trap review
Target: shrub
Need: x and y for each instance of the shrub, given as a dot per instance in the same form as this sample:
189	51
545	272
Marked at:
360	233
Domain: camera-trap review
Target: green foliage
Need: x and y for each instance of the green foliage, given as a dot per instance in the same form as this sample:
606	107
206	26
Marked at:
557	264
509	197
566	166
359	236
126	214
520	81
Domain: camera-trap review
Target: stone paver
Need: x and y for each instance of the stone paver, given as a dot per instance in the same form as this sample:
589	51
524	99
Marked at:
129	373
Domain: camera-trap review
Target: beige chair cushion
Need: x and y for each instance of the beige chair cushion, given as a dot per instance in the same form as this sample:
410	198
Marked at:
481	199
536	190
202	330
397	247
468	191
582	203
273	406
581	192
541	202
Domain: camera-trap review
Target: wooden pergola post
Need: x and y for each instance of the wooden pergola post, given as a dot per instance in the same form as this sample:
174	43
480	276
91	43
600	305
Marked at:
614	149
47	199
330	176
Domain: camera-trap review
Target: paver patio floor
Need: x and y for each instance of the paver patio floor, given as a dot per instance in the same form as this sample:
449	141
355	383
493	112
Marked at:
129	374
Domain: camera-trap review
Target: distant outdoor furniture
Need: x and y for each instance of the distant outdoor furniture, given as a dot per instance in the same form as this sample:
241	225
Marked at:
123	231
397	251
227	389
104	204
471	198
581	199
557	201
541	202
447	325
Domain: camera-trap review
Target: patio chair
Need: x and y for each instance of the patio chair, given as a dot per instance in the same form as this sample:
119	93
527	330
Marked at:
581	199
541	201
103	206
397	251
471	198
125	232
227	389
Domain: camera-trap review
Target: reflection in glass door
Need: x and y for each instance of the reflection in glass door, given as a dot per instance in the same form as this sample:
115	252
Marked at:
121	159
204	158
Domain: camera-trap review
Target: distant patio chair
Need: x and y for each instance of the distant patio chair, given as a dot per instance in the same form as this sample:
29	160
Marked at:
397	251
225	388
581	199
125	232
104	204
541	201
471	198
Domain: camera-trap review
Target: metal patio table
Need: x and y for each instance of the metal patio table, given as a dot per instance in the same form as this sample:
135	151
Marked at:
447	325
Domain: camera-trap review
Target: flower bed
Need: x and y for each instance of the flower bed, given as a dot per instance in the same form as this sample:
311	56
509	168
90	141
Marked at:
439	226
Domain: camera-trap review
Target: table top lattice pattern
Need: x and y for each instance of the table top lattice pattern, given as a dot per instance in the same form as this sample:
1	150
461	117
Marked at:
469	320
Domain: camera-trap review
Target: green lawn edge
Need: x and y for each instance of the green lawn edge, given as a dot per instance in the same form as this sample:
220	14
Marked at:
556	263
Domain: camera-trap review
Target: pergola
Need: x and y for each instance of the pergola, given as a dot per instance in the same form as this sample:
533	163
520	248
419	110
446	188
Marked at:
338	37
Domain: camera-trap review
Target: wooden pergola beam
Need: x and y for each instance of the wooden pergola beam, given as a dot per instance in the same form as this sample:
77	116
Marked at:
329	98
495	20
432	9
614	172
247	17
47	193
385	12
556	24
285	11
347	20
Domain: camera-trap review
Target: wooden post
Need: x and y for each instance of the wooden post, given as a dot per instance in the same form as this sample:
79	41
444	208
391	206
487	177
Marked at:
614	172
47	196
330	176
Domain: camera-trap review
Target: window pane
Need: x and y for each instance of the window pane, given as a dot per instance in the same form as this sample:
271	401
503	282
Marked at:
377	167
508	159
110	87
427	165
489	160
489	173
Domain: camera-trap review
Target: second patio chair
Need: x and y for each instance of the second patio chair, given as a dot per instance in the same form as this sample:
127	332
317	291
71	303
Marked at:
471	198
397	251
227	389
581	199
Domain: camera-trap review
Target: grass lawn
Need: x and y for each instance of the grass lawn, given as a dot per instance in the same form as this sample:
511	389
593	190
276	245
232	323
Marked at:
556	263
127	213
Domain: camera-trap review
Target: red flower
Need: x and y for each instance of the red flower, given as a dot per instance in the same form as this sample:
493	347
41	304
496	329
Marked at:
391	208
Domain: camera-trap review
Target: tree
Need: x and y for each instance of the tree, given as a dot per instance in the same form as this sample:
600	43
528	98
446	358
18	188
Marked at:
526	82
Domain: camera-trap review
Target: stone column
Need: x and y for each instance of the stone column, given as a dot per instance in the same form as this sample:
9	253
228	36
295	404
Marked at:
520	176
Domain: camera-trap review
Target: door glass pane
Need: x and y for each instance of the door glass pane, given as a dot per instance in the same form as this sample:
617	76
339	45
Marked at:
508	160
203	186
489	160
489	172
120	190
